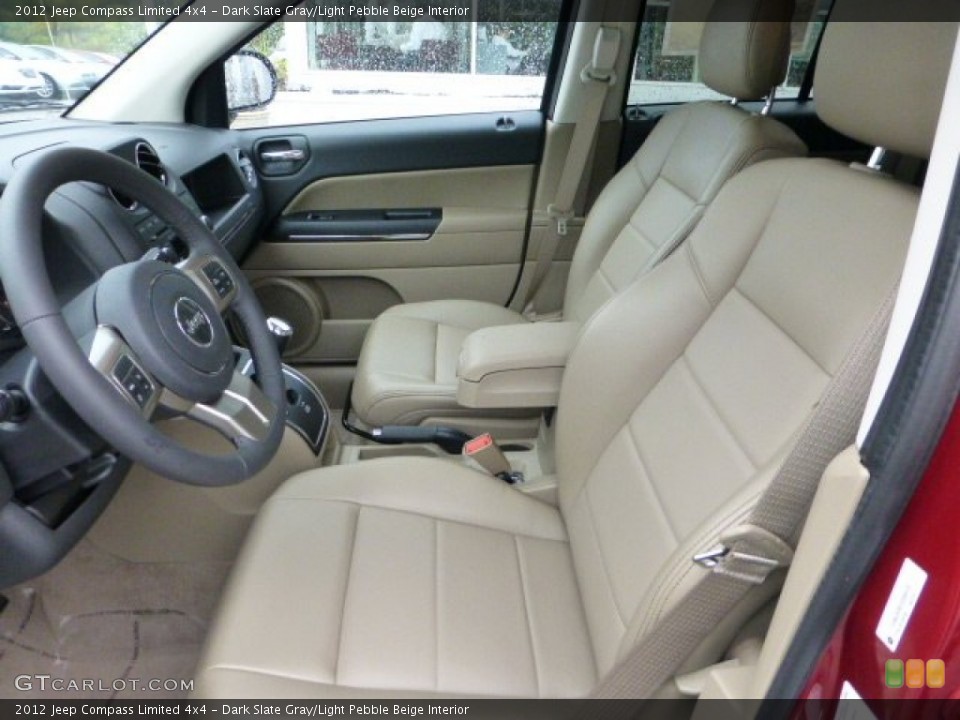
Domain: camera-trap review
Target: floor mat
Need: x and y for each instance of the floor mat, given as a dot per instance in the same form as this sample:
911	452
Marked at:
101	627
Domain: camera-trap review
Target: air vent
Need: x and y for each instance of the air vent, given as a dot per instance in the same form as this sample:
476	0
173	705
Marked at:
148	161
145	158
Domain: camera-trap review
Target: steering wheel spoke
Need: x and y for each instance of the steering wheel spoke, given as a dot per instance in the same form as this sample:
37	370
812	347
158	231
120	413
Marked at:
153	330
242	413
213	277
115	360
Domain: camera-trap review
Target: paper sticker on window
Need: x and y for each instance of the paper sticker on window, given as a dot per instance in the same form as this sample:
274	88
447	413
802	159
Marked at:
901	603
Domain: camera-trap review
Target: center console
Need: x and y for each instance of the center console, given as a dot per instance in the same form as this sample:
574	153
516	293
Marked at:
307	412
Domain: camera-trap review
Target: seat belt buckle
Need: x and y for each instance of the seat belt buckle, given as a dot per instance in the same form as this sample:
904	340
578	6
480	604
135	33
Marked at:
484	451
746	552
561	217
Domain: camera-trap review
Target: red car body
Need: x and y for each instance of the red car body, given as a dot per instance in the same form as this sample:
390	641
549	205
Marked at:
929	535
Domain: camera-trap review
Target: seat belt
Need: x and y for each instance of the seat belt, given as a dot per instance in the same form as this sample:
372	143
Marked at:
749	553
597	77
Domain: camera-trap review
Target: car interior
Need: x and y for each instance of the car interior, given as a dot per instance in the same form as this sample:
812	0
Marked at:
556	403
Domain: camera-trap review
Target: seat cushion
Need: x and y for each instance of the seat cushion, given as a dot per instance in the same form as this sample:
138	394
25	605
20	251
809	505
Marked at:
408	365
401	576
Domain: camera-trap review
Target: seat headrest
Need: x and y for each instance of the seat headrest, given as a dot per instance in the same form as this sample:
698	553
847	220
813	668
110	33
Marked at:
745	47
883	82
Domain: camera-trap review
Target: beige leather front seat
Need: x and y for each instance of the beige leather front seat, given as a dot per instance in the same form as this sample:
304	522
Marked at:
414	577
407	370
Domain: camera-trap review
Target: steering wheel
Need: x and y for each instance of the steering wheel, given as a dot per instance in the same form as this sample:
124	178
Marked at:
157	338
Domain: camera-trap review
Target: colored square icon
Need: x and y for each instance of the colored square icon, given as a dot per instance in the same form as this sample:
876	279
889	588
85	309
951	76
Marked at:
893	673
936	674
915	673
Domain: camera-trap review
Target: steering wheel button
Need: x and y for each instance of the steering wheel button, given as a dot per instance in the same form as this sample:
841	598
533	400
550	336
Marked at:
219	278
122	368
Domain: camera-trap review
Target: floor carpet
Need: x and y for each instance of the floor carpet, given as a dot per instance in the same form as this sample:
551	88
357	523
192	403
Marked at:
105	627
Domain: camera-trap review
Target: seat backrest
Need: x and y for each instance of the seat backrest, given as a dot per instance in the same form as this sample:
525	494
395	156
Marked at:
653	203
687	389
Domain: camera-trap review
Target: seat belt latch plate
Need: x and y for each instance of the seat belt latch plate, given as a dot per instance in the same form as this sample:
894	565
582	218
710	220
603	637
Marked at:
746	552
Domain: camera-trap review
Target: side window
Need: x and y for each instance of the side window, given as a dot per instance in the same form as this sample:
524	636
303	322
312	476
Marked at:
337	71
666	69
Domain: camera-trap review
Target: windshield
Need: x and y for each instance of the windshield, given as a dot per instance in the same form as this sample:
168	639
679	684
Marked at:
46	67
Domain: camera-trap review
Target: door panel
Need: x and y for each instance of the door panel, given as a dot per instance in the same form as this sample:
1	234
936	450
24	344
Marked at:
386	212
392	146
491	187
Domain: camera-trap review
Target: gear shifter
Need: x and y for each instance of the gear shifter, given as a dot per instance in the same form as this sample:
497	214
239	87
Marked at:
281	331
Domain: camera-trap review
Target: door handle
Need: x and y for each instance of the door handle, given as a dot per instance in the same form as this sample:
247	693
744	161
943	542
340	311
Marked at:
277	156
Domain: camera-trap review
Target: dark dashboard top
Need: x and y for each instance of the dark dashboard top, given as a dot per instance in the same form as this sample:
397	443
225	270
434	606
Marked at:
182	147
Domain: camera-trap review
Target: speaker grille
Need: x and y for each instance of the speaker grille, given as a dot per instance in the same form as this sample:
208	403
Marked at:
294	301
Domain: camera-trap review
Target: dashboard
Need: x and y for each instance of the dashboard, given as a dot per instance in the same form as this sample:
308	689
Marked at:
89	229
56	474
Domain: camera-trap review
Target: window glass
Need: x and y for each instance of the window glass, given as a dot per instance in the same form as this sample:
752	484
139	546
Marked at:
342	70
666	68
46	67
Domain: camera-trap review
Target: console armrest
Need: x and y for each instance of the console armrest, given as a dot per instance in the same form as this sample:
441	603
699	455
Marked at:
515	366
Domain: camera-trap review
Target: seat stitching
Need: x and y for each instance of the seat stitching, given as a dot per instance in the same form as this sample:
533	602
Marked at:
346	591
526	613
732	161
676	575
687	116
680	232
653	486
761	151
778	326
695	263
698	274
436	353
722	168
693	200
603	559
393	394
672	577
712	403
387	508
639	231
602	274
671	244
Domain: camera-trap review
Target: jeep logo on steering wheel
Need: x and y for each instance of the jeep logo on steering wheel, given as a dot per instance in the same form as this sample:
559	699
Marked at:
193	322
